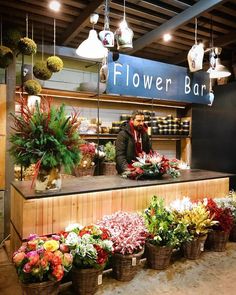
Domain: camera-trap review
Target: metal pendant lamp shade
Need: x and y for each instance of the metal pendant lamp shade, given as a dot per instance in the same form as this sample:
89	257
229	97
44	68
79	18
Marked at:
92	47
219	71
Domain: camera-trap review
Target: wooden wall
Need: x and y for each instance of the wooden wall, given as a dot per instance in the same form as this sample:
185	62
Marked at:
2	134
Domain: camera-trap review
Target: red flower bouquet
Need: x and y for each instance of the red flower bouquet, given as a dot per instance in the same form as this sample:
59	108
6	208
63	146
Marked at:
41	259
222	215
152	166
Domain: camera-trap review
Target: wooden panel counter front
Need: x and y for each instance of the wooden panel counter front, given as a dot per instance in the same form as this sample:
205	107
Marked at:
88	199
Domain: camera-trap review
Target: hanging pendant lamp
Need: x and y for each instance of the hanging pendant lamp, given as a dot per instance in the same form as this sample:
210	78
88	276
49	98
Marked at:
217	70
106	36
92	47
124	35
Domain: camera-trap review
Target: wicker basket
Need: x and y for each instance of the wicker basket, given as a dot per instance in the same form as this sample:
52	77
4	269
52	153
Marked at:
125	267
44	288
232	235
85	281
217	240
193	249
84	171
158	257
108	168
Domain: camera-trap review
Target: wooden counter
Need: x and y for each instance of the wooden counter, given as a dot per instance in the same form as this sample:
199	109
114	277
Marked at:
88	199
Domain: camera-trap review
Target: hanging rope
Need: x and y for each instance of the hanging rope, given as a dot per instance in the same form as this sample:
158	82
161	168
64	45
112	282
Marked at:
106	14
43	44
54	37
1	30
27	24
32	56
195	31
124	9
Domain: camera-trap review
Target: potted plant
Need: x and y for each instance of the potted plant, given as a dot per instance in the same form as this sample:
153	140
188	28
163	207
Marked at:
91	247
86	165
109	163
41	264
198	222
163	234
151	166
54	64
229	202
128	235
48	138
218	237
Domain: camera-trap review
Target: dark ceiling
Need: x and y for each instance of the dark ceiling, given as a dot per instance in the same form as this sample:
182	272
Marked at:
148	19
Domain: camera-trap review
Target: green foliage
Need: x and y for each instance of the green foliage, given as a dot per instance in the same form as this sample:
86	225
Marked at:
41	71
160	223
32	87
110	151
46	136
6	57
54	64
27	46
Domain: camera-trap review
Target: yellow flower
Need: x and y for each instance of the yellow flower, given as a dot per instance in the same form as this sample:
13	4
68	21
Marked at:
51	245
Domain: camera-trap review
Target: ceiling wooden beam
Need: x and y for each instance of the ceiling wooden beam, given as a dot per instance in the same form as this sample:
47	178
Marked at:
174	23
80	22
220	41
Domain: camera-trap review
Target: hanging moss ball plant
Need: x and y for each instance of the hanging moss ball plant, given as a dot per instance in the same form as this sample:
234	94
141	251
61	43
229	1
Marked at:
27	46
6	57
41	71
32	87
54	64
11	38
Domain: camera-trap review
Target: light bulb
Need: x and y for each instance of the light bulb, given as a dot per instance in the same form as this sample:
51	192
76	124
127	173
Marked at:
55	5
167	37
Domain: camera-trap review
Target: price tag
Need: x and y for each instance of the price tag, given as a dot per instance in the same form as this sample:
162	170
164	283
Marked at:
202	246
99	279
134	261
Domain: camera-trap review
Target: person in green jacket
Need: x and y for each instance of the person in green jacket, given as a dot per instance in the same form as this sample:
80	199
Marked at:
132	141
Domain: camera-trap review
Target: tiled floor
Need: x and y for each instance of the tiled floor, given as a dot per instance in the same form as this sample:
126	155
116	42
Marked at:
213	274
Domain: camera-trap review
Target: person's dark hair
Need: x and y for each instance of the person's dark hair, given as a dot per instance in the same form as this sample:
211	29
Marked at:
136	113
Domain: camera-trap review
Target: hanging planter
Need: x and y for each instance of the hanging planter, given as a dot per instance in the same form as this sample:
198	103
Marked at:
27	46
6	57
41	71
11	38
54	64
32	87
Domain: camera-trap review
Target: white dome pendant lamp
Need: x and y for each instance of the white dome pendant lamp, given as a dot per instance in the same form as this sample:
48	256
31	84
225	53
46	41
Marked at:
92	48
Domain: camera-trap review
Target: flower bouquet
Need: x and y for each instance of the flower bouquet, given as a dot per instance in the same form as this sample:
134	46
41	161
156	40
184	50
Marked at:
198	221
90	247
164	233
218	238
128	235
86	165
152	166
41	260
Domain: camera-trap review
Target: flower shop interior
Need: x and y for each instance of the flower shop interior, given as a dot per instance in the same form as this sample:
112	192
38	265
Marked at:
71	74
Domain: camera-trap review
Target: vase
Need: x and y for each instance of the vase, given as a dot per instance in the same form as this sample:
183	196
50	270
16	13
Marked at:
217	240
125	267
158	257
192	249
86	281
48	180
232	234
43	288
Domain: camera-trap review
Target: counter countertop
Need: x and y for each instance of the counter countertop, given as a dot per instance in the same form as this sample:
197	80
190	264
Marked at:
88	184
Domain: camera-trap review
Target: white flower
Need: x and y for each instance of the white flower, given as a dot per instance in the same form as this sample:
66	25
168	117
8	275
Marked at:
107	245
181	205
73	226
72	239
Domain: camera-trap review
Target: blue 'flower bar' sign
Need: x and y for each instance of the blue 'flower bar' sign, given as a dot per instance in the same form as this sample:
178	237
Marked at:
134	76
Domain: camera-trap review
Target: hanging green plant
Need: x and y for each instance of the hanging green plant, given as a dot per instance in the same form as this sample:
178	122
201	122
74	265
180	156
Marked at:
11	38
32	87
27	46
41	71
6	57
54	64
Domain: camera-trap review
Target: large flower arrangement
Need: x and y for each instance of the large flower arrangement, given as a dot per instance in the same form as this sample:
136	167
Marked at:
41	259
228	202
161	225
150	166
222	215
45	136
128	232
90	246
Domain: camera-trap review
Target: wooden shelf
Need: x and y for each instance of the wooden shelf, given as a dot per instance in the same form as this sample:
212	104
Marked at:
153	137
